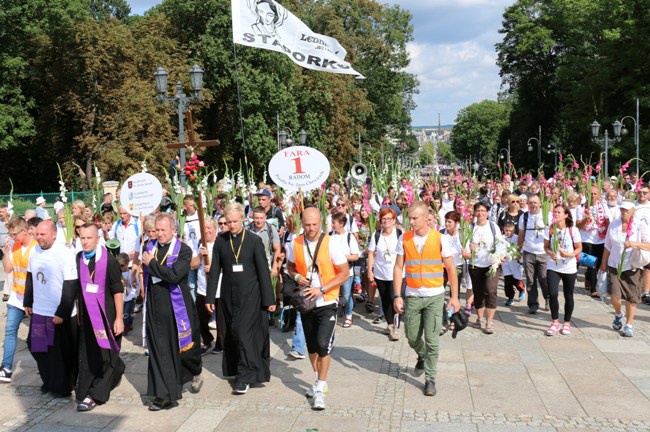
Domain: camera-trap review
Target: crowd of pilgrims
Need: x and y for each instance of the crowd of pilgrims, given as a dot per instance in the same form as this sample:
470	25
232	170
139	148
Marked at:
600	226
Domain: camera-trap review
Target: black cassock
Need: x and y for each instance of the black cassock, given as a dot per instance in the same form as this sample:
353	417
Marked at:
245	296
168	368
100	370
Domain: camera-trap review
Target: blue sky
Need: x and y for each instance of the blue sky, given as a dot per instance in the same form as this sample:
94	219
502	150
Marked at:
452	53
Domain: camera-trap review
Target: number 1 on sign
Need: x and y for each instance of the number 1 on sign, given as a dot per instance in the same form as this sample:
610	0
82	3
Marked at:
298	164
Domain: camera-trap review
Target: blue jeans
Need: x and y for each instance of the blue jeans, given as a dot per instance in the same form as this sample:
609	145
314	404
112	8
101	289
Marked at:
14	317
346	293
298	341
128	313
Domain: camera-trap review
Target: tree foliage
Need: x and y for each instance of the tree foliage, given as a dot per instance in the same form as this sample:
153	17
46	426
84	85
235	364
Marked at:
565	63
89	97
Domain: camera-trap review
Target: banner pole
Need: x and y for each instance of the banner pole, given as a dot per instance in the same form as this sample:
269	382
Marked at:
241	115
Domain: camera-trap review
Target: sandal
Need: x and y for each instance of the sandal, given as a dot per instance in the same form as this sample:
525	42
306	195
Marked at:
489	329
88	404
477	324
553	329
347	323
443	330
388	331
395	335
566	328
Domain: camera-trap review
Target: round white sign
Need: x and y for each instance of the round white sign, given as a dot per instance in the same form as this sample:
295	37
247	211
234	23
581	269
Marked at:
299	167
141	194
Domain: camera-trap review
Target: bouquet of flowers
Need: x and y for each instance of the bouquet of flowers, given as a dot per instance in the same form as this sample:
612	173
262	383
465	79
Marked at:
628	234
555	242
68	219
502	251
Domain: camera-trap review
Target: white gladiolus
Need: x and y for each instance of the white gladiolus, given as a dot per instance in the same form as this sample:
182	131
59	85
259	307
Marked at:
144	166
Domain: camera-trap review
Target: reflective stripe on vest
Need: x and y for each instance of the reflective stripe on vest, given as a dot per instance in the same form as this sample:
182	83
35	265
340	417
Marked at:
326	269
423	270
20	261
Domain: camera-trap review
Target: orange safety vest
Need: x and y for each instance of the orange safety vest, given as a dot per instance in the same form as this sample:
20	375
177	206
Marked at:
20	261
326	269
426	270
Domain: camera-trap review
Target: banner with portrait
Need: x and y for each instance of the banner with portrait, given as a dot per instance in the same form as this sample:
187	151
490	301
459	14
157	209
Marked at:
268	25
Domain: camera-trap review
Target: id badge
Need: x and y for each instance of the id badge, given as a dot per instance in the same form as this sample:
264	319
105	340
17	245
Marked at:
237	268
92	288
155	280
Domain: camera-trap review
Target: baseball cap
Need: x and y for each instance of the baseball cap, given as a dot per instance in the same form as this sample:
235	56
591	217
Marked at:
264	192
627	205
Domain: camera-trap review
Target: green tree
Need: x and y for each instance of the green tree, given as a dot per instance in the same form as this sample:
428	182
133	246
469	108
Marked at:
478	129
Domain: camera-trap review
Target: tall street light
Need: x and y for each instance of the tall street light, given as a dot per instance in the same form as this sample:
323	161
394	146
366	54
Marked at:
622	130
181	101
595	129
286	139
539	145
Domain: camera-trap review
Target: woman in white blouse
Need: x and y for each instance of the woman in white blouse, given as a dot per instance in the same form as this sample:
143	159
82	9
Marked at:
381	260
562	244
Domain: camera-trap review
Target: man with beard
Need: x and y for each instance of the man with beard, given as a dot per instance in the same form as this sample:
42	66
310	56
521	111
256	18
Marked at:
50	290
246	297
172	326
101	321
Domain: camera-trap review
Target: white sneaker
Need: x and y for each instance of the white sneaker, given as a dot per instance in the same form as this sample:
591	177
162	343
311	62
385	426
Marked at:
319	401
5	375
311	391
295	354
212	325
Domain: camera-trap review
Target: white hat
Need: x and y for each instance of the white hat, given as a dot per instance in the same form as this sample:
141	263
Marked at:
40	200
627	205
613	178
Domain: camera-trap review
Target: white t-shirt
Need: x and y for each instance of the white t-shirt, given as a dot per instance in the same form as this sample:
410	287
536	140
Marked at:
192	231
534	238
350	225
340	241
642	213
49	269
567	237
384	255
512	267
455	246
337	256
484	240
131	291
615	239
589	233
128	237
419	244
201	280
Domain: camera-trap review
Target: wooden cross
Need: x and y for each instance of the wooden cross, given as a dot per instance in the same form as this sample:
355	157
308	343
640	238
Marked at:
192	144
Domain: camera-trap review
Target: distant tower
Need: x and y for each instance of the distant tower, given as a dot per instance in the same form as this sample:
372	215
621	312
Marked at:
439	126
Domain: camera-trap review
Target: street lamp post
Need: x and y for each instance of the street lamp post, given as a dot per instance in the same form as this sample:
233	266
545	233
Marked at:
507	155
181	101
595	129
286	139
539	145
623	130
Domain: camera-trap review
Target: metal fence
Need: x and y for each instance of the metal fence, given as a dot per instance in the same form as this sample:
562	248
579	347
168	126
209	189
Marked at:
24	202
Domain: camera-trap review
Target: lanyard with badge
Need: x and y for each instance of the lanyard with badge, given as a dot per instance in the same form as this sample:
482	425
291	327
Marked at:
92	288
155	279
237	268
312	274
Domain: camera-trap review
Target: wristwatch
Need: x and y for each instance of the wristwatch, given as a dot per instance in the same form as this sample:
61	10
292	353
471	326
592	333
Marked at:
396	296
322	290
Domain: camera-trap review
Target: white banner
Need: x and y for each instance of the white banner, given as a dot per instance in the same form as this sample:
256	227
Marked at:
268	25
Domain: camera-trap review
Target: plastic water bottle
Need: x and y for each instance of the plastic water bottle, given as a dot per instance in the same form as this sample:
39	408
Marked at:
450	312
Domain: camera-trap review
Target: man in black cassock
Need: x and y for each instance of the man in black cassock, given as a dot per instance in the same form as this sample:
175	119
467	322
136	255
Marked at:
246	298
50	290
101	314
172	326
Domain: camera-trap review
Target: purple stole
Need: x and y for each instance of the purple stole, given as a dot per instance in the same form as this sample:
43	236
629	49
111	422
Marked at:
96	302
42	333
178	304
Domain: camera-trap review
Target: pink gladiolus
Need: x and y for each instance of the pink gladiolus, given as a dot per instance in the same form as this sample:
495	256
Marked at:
599	166
560	157
201	164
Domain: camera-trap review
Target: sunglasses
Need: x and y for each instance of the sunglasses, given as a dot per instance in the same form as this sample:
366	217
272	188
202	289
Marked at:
222	223
340	204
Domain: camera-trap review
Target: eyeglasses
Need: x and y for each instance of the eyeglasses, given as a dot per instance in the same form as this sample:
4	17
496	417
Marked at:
514	202
340	204
644	192
78	226
386	219
13	235
222	223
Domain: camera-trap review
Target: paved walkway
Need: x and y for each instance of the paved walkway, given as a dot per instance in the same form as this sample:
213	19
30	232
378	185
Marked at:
515	380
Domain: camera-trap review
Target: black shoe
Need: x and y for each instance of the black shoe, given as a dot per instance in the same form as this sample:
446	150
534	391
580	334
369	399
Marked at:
419	367
430	388
380	319
532	310
162	404
88	404
240	388
205	349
